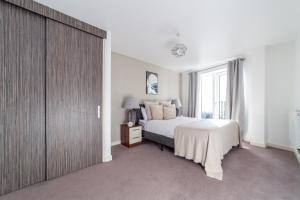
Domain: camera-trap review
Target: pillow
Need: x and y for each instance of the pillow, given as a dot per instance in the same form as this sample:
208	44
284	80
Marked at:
165	103
143	110
147	108
157	112
169	112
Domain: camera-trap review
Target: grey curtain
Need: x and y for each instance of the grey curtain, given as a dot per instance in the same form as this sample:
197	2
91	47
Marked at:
193	94
235	105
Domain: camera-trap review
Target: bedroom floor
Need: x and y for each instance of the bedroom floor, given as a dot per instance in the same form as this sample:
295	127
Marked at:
144	172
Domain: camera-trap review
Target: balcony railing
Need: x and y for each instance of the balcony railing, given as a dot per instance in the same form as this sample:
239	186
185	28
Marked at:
220	112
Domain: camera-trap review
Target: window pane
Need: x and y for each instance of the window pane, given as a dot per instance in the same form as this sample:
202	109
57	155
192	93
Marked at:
222	95
223	84
207	96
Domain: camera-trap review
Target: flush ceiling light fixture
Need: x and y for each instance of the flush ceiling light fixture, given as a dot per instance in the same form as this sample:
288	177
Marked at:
179	49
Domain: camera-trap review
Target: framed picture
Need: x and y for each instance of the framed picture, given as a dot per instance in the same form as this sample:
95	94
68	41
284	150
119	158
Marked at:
151	83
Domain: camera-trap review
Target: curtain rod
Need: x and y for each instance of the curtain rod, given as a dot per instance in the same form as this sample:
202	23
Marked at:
216	65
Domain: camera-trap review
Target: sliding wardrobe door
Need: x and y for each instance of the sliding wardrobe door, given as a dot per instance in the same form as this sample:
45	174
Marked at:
22	98
74	68
2	95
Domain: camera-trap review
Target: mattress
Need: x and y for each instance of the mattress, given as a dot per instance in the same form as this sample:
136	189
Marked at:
165	127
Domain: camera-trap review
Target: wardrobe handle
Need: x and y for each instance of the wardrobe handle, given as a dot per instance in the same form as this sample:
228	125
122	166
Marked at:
99	112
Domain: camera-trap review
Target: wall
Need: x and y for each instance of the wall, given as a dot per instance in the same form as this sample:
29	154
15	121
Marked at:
269	94
280	68
296	103
254	78
129	78
106	100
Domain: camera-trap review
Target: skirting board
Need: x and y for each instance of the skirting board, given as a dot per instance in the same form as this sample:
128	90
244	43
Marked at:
115	143
276	146
258	144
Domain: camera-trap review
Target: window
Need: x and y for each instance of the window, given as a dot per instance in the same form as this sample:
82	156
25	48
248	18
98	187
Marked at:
212	94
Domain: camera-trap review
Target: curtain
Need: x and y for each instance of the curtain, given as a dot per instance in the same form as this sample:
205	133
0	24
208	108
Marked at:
235	108
193	94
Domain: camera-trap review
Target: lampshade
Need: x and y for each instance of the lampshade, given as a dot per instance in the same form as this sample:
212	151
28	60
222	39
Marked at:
130	103
177	103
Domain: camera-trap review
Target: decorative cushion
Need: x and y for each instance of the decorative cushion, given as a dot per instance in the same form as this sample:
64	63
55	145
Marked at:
169	112
147	108
165	103
143	110
157	112
138	114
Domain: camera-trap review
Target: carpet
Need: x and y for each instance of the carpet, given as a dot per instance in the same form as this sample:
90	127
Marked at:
146	173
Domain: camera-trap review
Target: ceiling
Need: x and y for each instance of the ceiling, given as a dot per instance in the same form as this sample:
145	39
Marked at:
213	30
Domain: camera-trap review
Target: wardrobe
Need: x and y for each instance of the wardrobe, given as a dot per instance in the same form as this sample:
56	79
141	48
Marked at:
50	94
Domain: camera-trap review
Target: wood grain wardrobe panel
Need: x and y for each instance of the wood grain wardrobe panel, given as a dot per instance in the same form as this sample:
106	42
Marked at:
2	95
22	98
74	71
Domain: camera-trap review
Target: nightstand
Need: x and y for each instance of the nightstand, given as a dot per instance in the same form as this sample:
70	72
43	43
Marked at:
131	136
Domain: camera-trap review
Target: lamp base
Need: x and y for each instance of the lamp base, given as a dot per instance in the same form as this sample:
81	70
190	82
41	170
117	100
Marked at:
132	116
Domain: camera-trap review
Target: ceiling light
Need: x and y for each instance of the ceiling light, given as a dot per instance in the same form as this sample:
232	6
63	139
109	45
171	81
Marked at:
179	50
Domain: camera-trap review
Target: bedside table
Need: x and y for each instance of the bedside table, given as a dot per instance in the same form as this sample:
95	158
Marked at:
131	136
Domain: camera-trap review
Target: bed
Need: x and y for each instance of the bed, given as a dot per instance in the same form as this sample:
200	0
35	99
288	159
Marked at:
203	141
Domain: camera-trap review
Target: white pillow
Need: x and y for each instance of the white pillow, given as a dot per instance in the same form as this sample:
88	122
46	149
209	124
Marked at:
143	110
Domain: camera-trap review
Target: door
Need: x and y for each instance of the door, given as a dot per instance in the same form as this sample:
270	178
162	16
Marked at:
74	89
22	98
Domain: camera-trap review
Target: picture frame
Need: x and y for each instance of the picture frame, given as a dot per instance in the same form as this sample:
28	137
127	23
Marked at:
151	83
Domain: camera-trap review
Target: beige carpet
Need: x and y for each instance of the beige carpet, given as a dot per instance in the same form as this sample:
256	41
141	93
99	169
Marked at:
144	172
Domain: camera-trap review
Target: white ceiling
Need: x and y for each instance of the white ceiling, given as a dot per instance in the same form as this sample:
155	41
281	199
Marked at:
213	30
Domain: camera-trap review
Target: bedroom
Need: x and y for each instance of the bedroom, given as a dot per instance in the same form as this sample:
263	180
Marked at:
180	53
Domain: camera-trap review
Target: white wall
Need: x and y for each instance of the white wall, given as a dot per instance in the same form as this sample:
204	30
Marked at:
296	89
269	73
129	78
254	77
280	68
297	77
106	100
